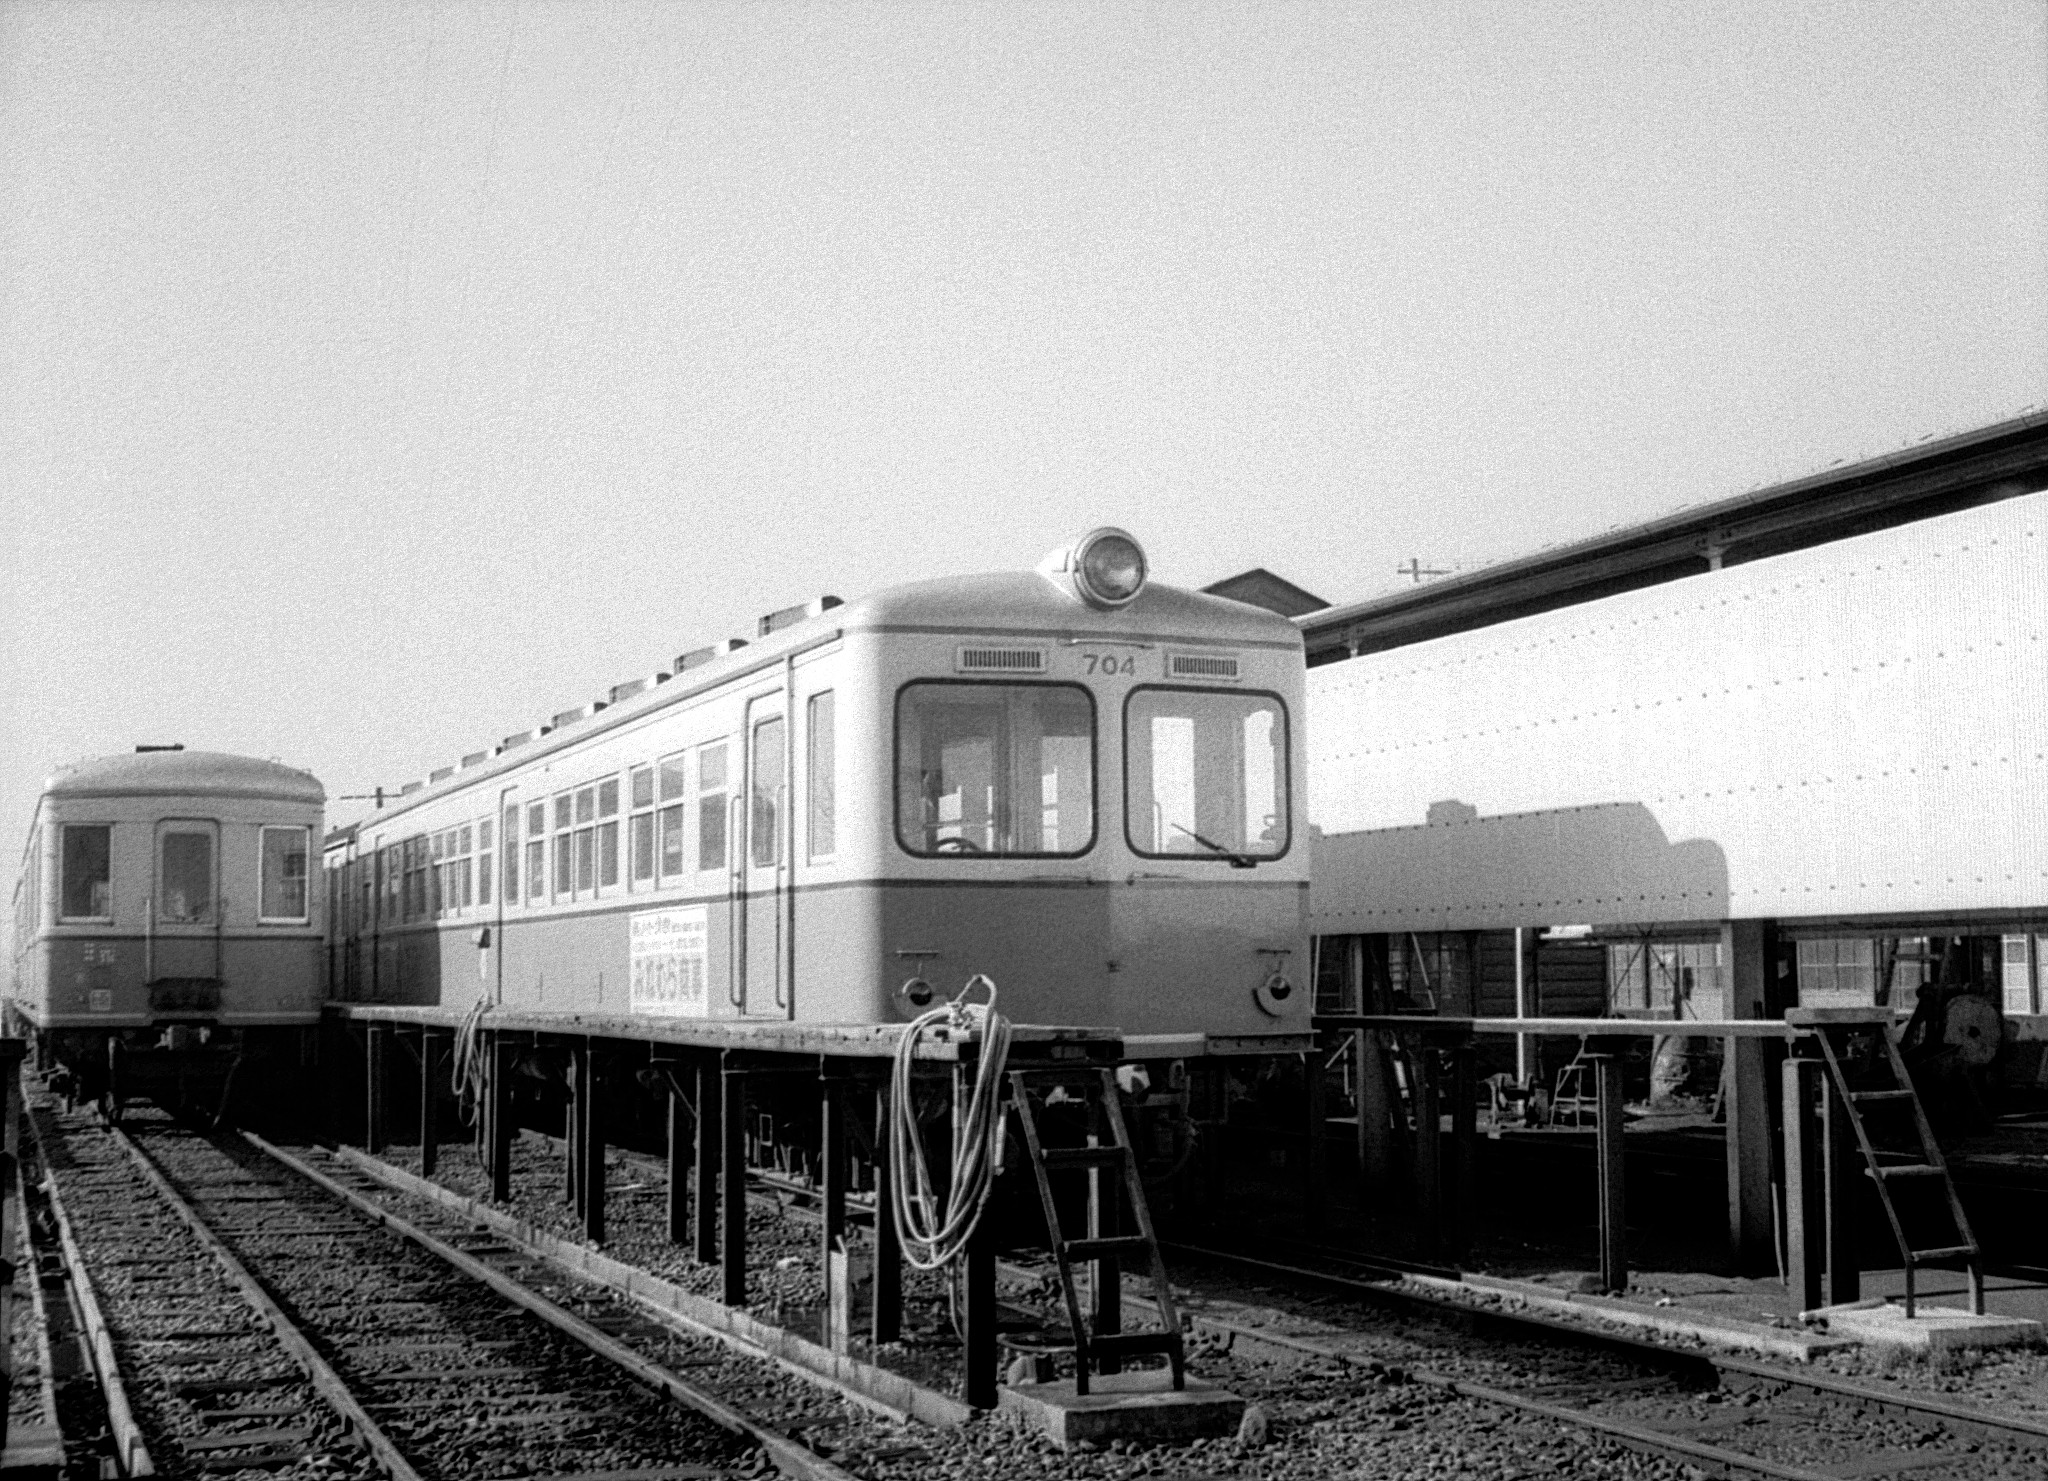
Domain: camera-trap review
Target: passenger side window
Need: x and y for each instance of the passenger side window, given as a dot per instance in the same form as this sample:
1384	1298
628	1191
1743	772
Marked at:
564	846
483	862
672	793
608	831
536	851
511	842
640	826
711	806
586	839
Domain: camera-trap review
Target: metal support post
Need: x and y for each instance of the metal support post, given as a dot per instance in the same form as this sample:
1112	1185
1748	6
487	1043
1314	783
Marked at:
377	1042
1528	942
590	1155
430	1059
1429	1150
1806	1213
1464	1144
572	1128
1613	1188
1750	948
978	1382
1375	1110
502	1058
678	1160
1314	1173
834	1253
733	1175
12	1220
709	1140
886	1324
1843	1165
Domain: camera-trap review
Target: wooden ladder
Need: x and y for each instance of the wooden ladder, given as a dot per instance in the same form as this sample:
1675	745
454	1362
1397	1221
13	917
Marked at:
1103	1246
1887	1167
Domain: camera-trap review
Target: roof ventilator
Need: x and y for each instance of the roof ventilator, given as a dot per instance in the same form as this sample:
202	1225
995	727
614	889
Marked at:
1202	666
790	616
975	659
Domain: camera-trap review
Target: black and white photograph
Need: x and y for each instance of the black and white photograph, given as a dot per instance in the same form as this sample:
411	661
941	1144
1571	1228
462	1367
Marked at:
951	740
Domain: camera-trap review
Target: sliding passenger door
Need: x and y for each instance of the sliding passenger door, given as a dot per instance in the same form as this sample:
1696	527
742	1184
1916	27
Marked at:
761	866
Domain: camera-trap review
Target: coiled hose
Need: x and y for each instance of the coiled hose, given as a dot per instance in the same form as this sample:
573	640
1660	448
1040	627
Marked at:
467	1066
934	1228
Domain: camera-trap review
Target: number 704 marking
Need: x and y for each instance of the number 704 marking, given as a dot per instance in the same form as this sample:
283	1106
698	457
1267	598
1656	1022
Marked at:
1110	663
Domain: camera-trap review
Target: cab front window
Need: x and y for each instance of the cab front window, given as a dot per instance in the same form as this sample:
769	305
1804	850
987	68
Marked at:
1206	774
995	769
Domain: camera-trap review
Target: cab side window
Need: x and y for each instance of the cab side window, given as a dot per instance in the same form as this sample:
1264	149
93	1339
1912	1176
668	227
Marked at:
87	871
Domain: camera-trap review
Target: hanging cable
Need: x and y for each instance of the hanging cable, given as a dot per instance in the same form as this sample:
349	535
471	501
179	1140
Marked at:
467	1067
933	1228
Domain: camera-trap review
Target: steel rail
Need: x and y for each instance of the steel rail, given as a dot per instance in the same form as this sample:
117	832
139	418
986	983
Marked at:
131	1450
1636	1437
789	1456
1675	1360
326	1382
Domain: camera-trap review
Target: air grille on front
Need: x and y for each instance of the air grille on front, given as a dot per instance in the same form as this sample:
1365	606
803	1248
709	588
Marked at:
1001	660
1201	666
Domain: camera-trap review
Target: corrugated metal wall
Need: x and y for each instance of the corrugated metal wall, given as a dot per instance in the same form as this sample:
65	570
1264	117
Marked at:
1856	729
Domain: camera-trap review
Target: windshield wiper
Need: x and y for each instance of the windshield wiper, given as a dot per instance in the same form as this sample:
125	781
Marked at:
1237	860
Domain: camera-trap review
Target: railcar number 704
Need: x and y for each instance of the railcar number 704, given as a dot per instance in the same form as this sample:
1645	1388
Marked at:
1110	663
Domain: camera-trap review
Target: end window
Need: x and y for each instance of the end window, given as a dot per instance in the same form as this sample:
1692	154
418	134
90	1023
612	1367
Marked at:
88	872
995	769
1206	773
283	893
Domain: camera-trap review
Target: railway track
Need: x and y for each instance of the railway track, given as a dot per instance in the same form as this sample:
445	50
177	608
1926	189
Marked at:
1722	1414
263	1318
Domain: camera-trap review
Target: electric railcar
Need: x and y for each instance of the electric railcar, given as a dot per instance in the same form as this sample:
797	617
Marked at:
167	932
1084	783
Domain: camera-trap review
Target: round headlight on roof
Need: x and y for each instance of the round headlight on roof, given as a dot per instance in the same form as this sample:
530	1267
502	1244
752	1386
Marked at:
1108	568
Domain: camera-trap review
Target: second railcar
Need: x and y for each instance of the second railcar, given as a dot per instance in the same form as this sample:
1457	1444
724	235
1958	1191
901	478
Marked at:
1079	781
167	932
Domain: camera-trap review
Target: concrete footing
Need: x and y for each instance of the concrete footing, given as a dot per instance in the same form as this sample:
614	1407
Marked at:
1930	1328
1139	1408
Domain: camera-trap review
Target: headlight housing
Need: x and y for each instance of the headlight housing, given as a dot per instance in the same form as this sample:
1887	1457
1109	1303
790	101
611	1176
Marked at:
1105	568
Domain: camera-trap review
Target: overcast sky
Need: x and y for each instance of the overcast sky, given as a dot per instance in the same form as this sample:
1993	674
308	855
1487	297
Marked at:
379	379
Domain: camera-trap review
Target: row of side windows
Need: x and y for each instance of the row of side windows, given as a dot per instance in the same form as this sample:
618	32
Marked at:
662	824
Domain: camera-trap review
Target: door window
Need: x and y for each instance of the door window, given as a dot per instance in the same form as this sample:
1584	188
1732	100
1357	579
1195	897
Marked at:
185	878
765	792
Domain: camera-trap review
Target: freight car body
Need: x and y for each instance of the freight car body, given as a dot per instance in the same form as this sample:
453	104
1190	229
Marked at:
167	935
1088	791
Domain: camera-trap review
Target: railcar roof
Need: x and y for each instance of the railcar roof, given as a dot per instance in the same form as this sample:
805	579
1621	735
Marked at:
185	773
1010	603
1025	601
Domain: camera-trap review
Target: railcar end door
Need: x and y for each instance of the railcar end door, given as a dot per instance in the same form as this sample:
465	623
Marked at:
186	904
